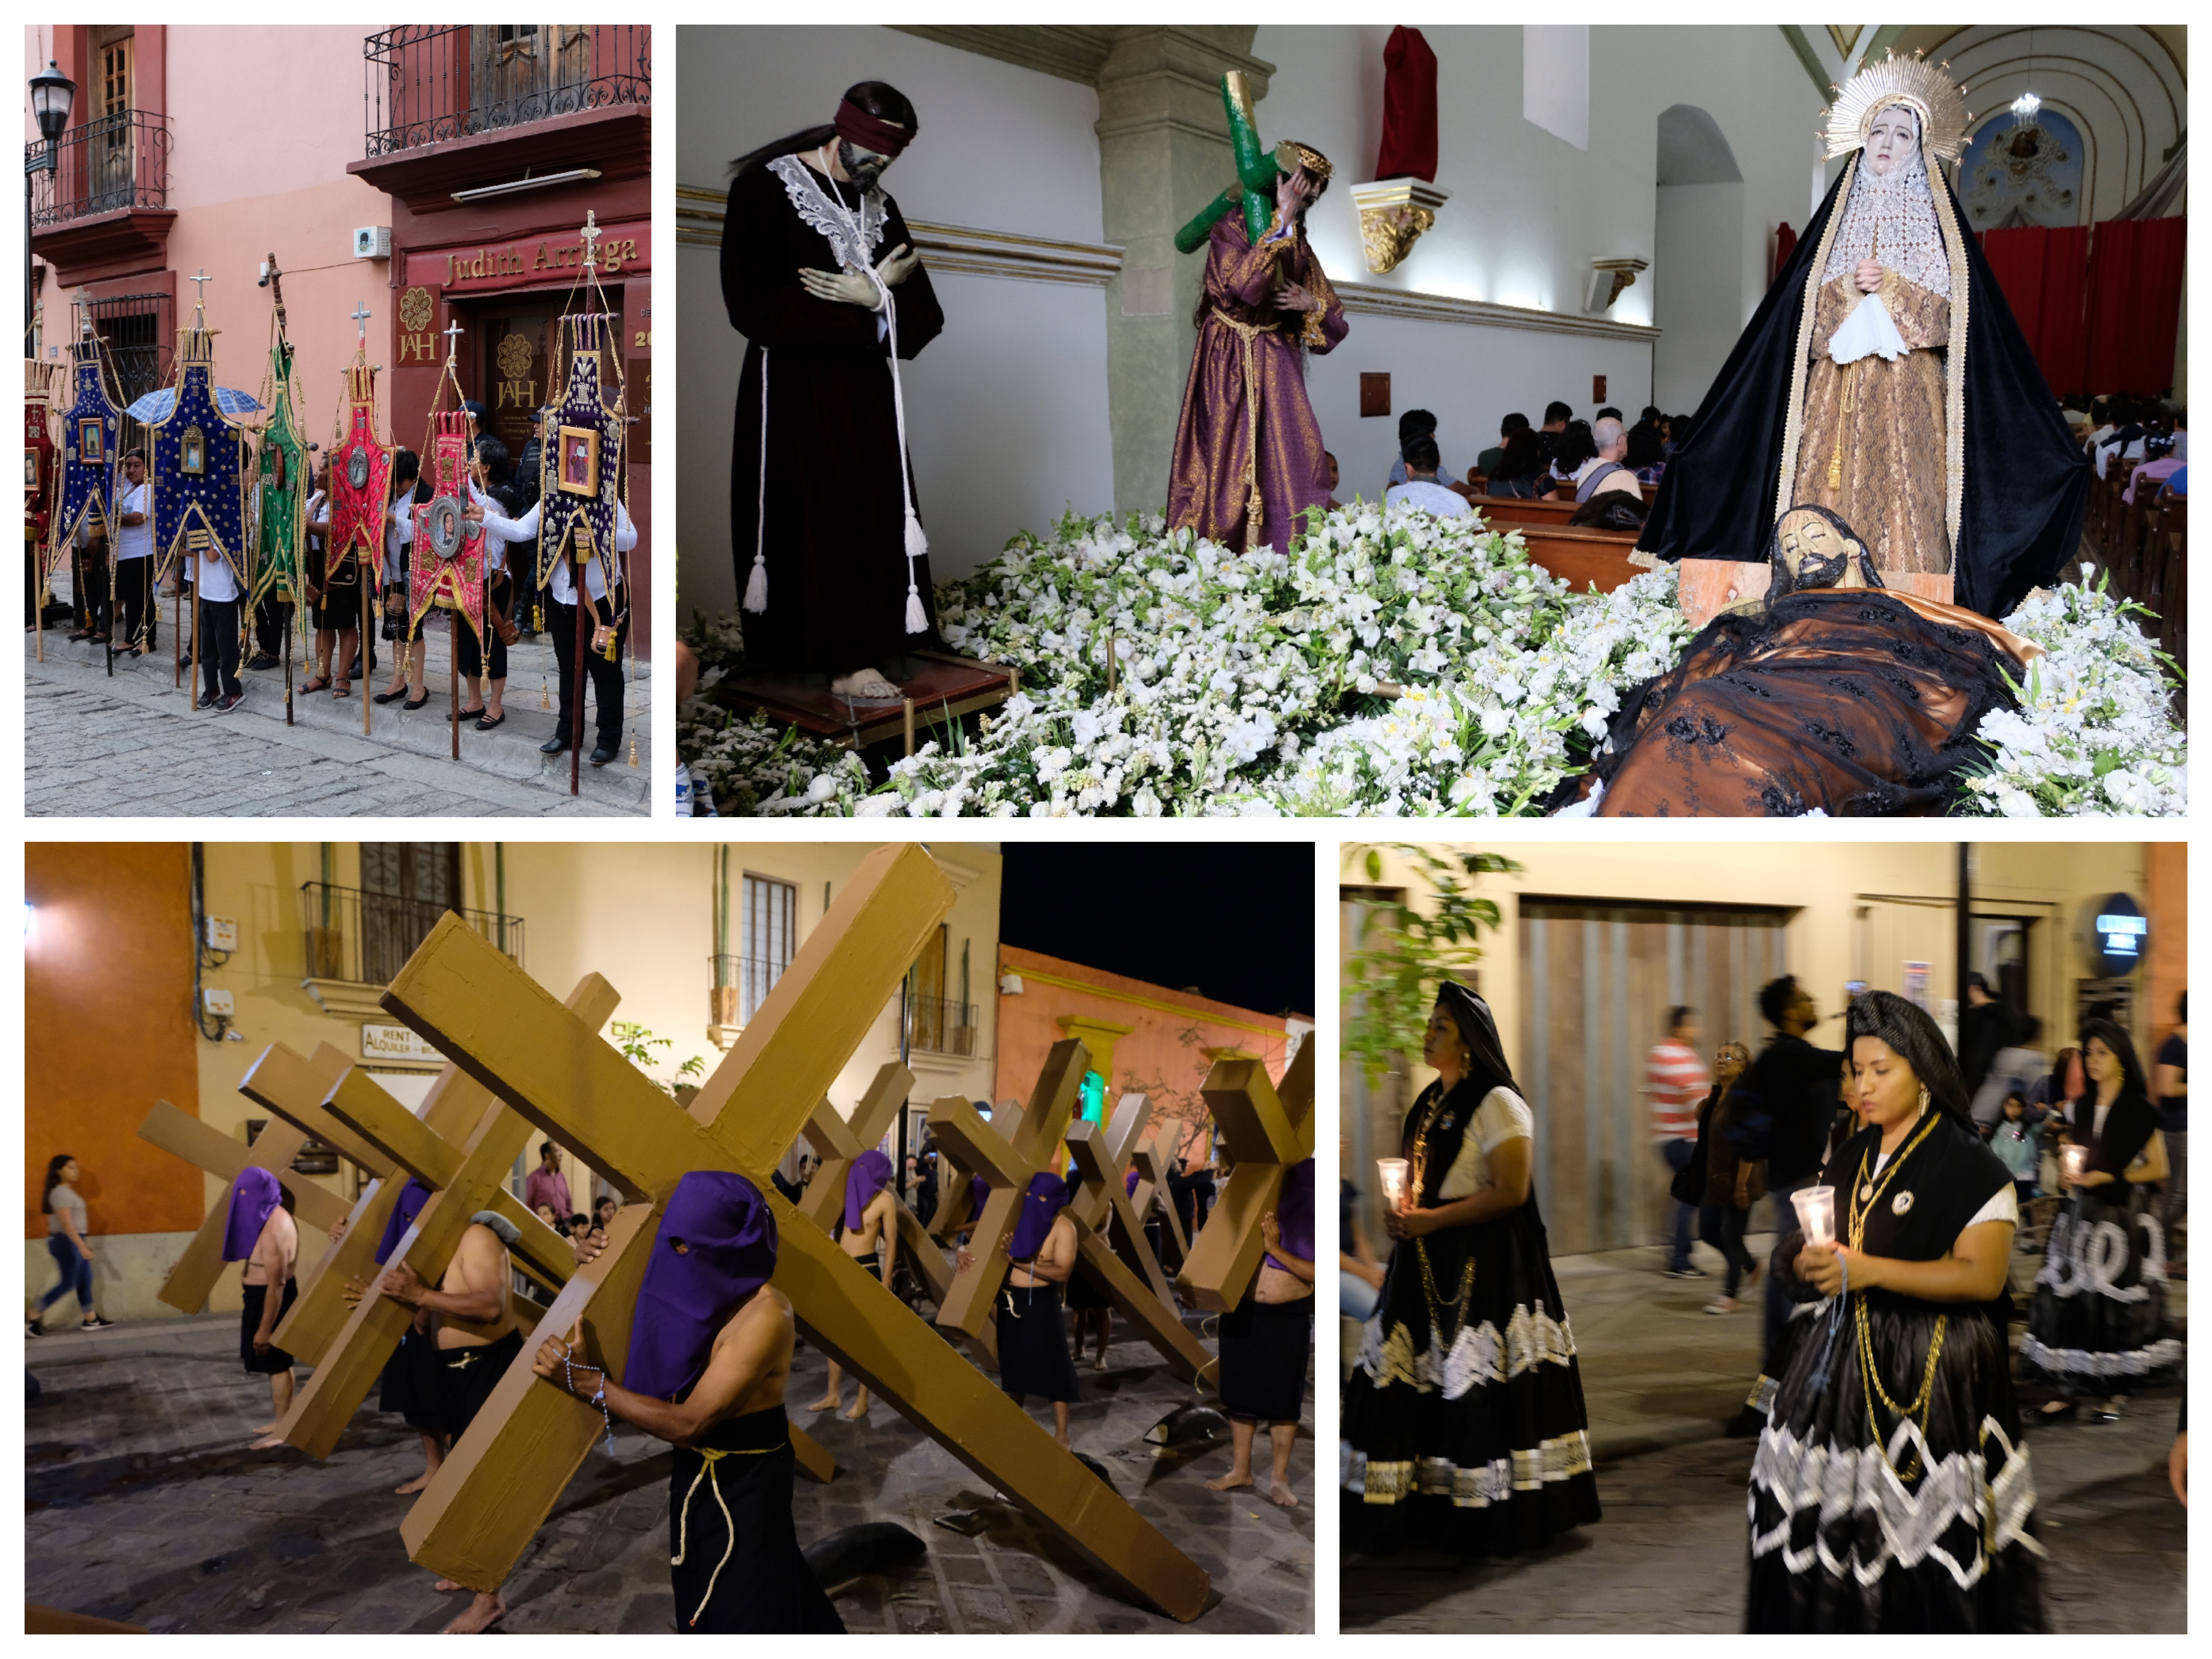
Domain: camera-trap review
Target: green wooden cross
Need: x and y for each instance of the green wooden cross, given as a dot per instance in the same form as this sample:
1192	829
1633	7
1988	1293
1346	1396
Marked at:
503	1476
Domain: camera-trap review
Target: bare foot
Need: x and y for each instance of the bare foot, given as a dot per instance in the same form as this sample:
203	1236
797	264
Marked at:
263	1428
829	1402
415	1486
267	1443
1229	1482
447	1586
863	683
1279	1493
483	1613
859	1414
1099	1363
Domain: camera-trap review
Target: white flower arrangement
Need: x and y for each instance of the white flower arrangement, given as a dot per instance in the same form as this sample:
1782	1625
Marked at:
1390	663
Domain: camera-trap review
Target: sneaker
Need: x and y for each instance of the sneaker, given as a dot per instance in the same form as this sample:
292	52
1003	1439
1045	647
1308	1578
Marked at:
1721	1304
97	1324
262	662
34	1329
224	705
1685	1273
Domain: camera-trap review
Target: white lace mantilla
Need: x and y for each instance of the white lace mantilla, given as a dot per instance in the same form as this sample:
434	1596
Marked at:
1836	1481
1481	1354
823	212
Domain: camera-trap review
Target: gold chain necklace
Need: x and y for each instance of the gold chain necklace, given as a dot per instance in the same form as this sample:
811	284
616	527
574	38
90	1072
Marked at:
1863	1194
1420	1173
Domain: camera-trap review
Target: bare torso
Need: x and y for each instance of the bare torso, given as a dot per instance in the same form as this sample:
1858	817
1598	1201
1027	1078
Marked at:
479	1263
1057	1252
274	1251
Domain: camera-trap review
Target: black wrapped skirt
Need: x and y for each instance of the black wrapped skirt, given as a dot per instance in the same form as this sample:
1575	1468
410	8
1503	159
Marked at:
1033	1353
734	1562
1265	1350
274	1359
2098	1326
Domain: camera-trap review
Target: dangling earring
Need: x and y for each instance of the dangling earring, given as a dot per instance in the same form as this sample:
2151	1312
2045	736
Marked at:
1923	1097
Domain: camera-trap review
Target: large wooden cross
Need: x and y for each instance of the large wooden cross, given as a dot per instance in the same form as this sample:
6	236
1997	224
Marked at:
354	1361
1267	1130
953	1195
838	1141
501	1479
193	1279
1155	1157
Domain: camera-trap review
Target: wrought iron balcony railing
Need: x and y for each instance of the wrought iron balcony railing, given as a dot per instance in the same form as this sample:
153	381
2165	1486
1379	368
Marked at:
428	83
939	1026
359	938
106	165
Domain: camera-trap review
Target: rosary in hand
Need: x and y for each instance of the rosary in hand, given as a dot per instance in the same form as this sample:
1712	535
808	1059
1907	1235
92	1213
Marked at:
568	1382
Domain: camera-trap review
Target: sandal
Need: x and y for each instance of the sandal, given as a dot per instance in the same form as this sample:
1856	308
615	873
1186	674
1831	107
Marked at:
471	714
342	689
493	723
315	683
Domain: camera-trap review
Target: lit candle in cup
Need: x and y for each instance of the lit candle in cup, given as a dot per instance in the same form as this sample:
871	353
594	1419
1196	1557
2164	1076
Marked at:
1816	1214
1393	1172
2075	1158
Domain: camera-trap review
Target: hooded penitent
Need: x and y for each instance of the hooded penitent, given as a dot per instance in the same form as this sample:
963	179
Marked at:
253	1198
412	1197
2015	480
1046	1197
870	1174
729	1242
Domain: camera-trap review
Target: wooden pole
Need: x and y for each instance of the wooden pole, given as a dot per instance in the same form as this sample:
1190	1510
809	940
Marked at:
177	636
288	670
113	549
196	640
583	644
360	581
453	673
38	610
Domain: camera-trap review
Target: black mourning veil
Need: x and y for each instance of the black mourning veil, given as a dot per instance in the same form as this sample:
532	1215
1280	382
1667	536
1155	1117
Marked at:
2132	1085
1910	1031
1486	1063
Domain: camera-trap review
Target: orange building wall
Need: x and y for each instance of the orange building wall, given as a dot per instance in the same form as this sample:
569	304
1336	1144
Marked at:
107	970
1164	1057
2165	897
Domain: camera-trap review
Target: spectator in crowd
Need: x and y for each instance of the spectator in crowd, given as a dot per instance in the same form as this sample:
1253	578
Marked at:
1486	463
1678	428
1359	1276
1649	415
2016	1066
604	1211
1574	452
1647	453
1675	1080
67	1242
1413	424
1520	470
1335	473
1424	487
546	1184
1733	1182
2155	472
546	1213
1985	1026
2058	1088
2016	1144
2170	1083
1556	416
1608	471
579	1225
1609	413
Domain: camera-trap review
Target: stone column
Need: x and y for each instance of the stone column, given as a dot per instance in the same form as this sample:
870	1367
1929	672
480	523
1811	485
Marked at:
1163	152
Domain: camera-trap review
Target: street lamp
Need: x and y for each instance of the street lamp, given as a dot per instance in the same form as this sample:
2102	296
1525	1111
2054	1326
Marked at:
52	94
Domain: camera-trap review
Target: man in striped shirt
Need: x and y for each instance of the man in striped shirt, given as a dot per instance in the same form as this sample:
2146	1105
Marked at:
1676	1081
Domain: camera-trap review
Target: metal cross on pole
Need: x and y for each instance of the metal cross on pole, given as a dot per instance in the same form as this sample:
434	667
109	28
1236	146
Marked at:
203	279
360	316
502	1478
453	332
591	234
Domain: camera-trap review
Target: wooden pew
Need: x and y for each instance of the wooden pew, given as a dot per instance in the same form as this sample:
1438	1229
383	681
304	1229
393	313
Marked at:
1504	510
2165	557
1582	556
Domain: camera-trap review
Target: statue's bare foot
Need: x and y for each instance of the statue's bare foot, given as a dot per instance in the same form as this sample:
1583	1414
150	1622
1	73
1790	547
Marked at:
483	1613
863	683
829	1402
1278	1492
1229	1482
415	1486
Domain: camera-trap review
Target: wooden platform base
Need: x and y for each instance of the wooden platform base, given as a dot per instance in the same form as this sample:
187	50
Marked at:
946	688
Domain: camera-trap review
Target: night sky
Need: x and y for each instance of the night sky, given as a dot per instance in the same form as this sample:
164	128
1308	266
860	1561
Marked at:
1234	920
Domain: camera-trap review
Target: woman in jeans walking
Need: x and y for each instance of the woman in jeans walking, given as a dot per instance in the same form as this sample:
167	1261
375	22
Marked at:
1733	1184
66	1224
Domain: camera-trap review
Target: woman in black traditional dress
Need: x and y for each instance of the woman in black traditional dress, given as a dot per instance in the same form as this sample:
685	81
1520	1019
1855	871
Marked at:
1463	1421
2099	1326
1890	1491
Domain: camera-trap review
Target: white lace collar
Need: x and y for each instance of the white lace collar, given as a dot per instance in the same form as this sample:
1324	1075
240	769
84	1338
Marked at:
836	223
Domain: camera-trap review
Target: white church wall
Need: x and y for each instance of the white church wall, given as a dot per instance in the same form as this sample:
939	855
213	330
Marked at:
1697	234
1006	412
1530	211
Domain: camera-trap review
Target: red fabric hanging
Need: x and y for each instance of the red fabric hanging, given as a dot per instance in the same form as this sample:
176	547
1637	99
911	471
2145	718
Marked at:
1409	108
2044	274
2135	303
1785	244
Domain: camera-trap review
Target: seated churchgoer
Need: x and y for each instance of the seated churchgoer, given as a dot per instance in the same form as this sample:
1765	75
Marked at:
1647	453
1520	467
1609	413
1574	452
1556	416
1417	423
1486	463
1332	504
1607	473
1422	488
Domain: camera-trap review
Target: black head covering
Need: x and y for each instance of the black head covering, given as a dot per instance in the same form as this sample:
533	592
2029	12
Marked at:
1907	1028
2027	482
1486	1065
2128	1125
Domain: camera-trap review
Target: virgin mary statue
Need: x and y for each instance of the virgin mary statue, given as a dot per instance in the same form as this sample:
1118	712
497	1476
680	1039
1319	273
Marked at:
1884	379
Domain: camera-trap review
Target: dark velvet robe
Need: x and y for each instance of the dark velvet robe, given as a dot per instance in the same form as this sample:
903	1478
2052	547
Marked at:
835	542
2027	482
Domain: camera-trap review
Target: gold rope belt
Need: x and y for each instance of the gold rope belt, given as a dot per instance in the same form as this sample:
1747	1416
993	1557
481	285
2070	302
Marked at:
709	1457
1255	507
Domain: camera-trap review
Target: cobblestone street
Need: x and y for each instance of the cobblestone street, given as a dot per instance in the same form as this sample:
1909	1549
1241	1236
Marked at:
144	1506
1661	1376
96	746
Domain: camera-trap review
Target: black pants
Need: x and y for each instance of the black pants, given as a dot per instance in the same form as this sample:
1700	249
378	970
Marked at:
606	676
498	595
218	624
134	587
88	583
270	618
